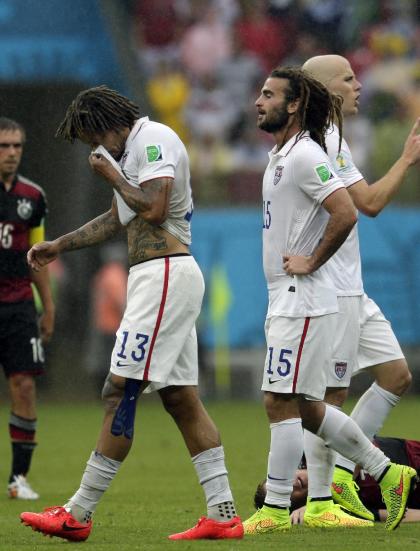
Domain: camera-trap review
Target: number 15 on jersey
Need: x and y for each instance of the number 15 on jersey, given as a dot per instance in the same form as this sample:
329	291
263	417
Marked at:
266	215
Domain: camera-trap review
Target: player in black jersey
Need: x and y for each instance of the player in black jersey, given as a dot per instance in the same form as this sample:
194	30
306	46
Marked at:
399	450
22	212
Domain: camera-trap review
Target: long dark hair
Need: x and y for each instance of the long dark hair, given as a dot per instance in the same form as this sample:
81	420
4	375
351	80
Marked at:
317	109
95	111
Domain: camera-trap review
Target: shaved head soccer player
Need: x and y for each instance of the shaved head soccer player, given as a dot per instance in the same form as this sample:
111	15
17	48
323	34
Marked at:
363	338
307	215
156	345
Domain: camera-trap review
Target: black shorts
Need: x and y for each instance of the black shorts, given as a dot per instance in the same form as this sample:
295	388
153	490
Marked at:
20	345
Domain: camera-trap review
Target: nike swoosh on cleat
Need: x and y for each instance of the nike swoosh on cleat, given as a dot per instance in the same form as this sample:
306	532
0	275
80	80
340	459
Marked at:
400	488
68	528
337	488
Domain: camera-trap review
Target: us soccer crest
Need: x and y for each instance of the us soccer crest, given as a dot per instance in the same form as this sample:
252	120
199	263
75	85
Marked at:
340	369
277	174
24	208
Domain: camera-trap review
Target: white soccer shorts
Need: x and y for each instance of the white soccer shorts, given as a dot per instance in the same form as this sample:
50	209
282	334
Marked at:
378	343
157	340
298	355
363	338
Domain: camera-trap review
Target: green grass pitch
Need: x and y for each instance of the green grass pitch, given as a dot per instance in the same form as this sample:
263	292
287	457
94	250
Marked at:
156	492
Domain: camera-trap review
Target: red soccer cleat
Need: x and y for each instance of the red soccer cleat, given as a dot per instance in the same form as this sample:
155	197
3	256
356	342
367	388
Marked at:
207	528
56	521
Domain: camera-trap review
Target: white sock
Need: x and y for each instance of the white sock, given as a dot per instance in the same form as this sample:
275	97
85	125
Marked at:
99	473
320	461
343	435
286	450
370	413
212	474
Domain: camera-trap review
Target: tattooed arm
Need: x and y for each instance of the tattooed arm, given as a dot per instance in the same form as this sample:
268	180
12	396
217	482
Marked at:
150	200
96	231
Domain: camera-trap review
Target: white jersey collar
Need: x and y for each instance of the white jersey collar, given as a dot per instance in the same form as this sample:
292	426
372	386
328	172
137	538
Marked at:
287	146
135	130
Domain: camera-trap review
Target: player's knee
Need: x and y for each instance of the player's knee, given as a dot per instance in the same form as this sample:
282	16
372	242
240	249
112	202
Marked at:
336	396
280	407
403	380
180	401
22	387
112	393
394	377
270	404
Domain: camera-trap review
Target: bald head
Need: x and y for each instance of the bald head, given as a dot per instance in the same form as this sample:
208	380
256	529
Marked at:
325	67
336	73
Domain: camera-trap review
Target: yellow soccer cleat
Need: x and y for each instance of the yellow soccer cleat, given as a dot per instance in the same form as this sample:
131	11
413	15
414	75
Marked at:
344	491
396	486
326	514
267	520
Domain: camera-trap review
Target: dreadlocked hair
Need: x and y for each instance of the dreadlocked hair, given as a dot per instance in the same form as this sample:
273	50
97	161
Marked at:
317	109
95	111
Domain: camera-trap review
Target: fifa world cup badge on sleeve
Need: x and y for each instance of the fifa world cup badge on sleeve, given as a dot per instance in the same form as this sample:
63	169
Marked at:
154	153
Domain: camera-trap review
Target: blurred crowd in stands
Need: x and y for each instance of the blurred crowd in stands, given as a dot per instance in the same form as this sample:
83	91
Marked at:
205	61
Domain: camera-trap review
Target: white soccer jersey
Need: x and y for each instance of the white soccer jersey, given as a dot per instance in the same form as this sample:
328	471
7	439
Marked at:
345	268
152	151
297	180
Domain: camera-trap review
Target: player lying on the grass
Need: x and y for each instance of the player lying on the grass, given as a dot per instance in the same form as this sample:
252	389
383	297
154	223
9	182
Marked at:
405	452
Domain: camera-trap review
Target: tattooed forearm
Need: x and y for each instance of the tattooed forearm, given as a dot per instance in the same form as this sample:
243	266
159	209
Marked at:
150	200
139	199
96	231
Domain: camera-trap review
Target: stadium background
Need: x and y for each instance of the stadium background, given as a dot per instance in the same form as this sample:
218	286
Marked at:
197	66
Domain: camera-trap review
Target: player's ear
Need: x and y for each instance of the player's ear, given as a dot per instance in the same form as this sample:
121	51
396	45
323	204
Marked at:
293	106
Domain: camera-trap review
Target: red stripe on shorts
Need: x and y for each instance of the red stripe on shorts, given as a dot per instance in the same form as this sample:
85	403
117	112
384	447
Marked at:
302	342
159	319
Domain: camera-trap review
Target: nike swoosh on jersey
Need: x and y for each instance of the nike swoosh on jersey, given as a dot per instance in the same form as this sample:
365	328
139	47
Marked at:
119	364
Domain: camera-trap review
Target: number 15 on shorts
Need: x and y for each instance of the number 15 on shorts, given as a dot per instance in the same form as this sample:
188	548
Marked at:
278	362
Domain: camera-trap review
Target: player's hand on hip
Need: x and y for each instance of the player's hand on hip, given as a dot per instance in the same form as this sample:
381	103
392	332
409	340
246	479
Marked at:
297	265
102	167
41	254
411	150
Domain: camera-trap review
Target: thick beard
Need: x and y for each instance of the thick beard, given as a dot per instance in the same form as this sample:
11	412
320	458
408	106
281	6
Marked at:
277	121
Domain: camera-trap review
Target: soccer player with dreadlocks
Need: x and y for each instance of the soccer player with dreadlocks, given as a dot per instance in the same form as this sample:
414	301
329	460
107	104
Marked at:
307	215
156	345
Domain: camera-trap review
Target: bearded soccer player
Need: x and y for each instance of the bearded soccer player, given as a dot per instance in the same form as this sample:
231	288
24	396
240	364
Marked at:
156	345
307	215
22	213
363	337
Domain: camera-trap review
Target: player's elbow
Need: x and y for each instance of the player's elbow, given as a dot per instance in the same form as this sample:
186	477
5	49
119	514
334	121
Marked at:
348	218
154	217
370	210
